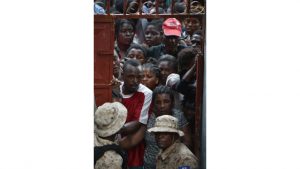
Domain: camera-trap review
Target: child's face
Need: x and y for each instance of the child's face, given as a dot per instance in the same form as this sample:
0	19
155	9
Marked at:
152	36
150	80
165	71
136	54
191	24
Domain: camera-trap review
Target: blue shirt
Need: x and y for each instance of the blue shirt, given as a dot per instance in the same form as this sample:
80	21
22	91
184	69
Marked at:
98	9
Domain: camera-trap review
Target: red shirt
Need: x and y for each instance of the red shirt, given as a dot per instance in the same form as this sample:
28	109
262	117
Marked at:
137	105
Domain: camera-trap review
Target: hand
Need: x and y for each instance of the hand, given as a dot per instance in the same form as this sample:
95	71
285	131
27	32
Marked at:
115	82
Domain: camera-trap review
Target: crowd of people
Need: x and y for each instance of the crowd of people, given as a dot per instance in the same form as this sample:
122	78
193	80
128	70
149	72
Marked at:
150	122
147	6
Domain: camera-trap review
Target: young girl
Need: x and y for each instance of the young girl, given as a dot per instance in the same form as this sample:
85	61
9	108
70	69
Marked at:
151	75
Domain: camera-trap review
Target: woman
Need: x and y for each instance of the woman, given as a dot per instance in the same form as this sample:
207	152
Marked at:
163	101
124	36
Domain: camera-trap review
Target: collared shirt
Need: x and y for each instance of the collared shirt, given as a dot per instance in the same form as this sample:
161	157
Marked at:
110	159
177	156
152	149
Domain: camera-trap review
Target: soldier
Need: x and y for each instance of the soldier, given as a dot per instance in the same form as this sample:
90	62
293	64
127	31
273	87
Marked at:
173	153
109	119
163	104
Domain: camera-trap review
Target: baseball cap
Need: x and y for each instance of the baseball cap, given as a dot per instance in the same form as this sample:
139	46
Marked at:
172	27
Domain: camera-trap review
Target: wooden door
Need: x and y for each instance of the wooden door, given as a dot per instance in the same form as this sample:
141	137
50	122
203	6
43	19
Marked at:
103	58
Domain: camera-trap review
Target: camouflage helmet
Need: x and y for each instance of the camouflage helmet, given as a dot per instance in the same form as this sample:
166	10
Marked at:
110	118
166	123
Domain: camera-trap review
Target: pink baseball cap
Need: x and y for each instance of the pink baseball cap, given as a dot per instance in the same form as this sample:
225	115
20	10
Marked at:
172	27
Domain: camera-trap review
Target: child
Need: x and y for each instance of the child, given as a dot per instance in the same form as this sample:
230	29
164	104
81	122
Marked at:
153	33
151	75
137	52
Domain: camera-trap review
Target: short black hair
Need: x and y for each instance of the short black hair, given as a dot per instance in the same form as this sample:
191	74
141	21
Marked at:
161	89
137	46
157	23
131	62
153	68
170	59
185	56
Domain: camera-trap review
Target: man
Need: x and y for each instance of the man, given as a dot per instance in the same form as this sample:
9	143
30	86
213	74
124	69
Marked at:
109	119
173	153
171	37
137	99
